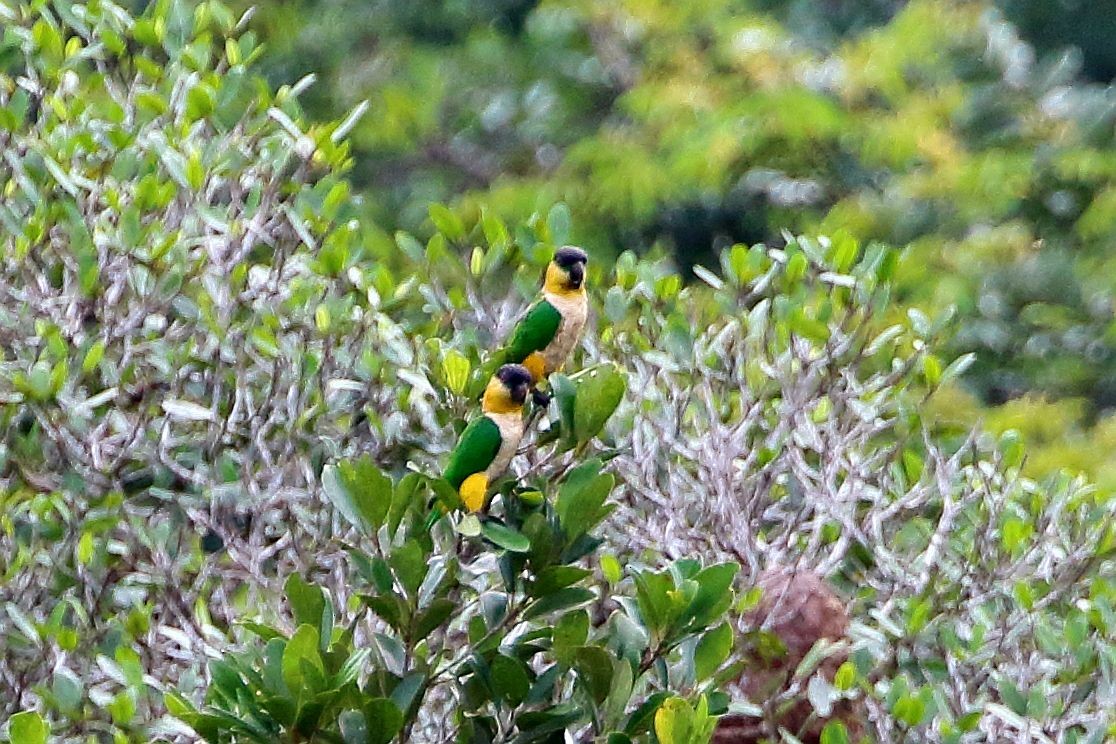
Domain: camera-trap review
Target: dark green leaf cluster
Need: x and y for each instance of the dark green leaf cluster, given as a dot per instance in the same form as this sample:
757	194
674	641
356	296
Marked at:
523	653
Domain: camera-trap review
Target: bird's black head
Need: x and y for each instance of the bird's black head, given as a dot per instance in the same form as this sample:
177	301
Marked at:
517	380
571	260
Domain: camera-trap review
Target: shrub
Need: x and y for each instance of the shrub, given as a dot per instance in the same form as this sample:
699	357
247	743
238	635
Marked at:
194	327
486	630
172	242
791	435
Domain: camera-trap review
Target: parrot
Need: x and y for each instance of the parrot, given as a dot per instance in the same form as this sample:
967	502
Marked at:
487	444
547	334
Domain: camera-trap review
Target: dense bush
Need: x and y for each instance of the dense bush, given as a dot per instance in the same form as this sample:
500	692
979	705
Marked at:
220	387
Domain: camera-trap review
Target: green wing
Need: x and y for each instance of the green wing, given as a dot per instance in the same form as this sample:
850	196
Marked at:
534	332
475	450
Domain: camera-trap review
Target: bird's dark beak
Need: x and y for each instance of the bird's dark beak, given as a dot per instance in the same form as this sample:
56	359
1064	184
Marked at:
577	275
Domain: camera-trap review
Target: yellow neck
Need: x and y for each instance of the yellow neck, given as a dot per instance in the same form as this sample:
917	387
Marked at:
497	400
555	283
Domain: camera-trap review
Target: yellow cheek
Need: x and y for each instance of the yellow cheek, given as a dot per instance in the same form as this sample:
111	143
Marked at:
555	280
473	490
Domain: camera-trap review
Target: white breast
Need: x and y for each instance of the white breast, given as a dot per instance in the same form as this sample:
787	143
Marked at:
511	432
574	310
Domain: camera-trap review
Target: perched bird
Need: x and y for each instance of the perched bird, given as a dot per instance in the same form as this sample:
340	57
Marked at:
548	333
489	441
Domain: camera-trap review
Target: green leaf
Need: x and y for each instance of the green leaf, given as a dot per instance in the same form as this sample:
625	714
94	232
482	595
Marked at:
620	694
272	672
227	680
570	632
178	707
610	567
410	246
558	223
919	616
146	31
1011	695
599	392
594	668
561	599
1077	630
796	268
652	596
455	370
580	503
910	710
200	102
39	384
505	537
23	622
535	725
711	651
408	688
360	491
354	727
303	646
27	728
447	223
834	733
495	231
307	601
970	721
93	357
122	708
714	593
403	497
932	370
85	548
565	393
642	717
1014	534
510	680
409	563
351	669
266	632
391	608
845	677
553	578
433	616
383	720
674	721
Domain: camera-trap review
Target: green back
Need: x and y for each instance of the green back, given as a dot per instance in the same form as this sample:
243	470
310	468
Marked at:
534	332
475	450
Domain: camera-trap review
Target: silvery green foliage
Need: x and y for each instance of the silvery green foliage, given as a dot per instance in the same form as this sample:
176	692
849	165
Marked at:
191	326
977	595
186	338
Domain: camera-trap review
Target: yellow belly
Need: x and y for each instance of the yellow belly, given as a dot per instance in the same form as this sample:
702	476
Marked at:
473	490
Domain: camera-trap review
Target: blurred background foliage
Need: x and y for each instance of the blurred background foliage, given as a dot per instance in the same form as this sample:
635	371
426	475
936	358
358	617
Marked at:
980	134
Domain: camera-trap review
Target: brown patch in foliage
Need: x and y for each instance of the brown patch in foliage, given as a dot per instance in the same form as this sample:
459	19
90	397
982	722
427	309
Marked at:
799	608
